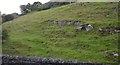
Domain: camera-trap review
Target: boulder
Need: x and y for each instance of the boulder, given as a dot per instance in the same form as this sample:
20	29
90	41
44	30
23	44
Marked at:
78	29
89	27
86	27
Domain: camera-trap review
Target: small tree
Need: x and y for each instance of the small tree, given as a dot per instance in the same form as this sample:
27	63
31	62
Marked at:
25	9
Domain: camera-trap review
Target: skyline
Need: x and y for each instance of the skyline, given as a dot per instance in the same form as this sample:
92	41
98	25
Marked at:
13	6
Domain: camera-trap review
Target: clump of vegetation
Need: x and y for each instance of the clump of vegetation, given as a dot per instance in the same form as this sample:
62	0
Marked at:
38	6
4	35
9	17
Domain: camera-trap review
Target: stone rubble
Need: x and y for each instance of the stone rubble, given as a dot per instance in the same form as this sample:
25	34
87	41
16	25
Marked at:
33	60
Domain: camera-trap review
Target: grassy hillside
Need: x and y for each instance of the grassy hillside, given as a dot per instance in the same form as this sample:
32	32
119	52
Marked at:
31	35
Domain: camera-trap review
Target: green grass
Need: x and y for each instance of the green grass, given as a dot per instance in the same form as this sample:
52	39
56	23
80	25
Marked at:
30	35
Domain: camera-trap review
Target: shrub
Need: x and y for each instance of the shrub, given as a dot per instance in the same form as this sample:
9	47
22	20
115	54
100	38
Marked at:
4	34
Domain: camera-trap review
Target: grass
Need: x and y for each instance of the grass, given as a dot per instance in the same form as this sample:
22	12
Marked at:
31	35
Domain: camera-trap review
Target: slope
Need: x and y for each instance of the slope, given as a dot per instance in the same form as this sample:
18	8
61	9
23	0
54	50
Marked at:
31	35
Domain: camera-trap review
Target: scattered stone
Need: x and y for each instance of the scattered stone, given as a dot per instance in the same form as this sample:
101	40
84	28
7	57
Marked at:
117	31
65	22
109	30
115	54
78	29
68	23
